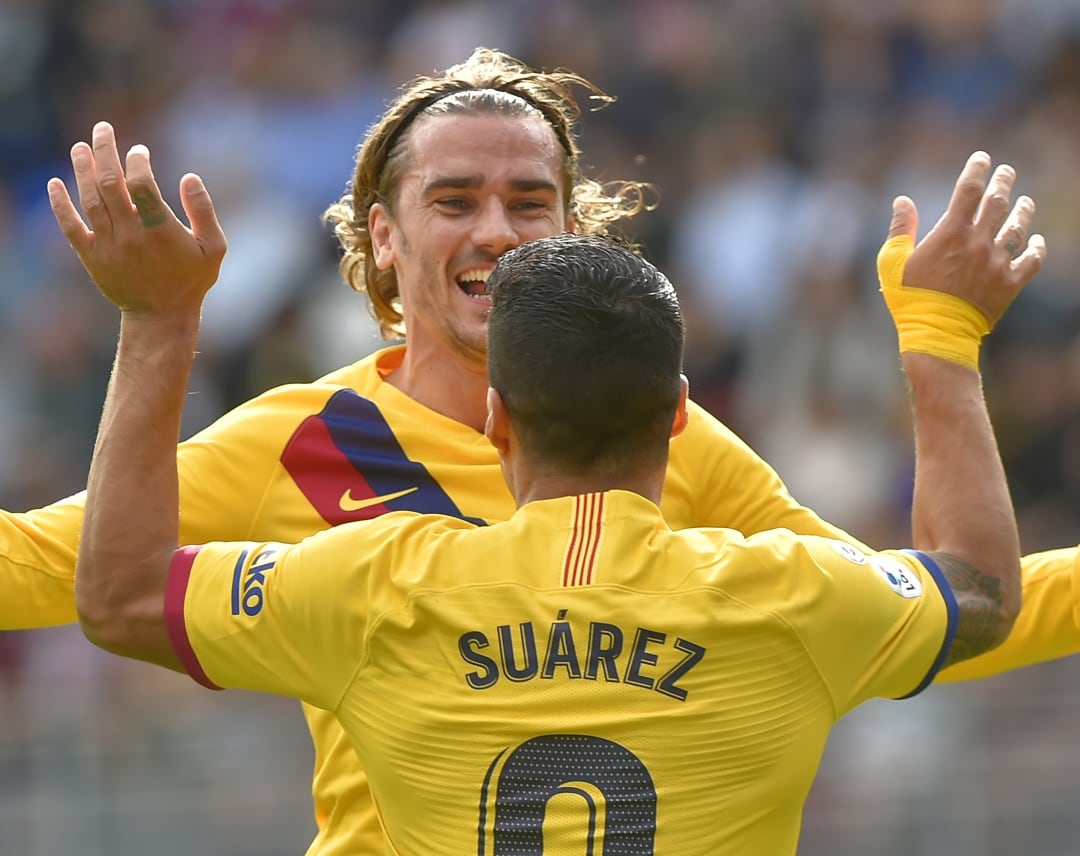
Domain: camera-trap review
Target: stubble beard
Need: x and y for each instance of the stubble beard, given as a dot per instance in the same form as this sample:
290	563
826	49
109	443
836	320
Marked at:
471	346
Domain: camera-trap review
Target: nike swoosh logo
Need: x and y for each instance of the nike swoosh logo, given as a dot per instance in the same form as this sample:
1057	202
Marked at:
347	503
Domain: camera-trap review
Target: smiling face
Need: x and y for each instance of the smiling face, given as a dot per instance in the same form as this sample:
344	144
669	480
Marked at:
472	187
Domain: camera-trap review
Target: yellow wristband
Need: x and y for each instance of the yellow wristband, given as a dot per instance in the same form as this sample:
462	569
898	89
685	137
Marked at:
928	322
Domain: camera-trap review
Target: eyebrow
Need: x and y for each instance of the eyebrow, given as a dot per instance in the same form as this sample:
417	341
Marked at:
463	182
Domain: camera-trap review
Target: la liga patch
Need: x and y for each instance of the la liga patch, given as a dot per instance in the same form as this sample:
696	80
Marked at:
899	577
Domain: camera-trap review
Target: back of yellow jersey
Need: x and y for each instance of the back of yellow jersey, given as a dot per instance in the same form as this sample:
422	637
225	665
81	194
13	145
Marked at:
545	722
579	679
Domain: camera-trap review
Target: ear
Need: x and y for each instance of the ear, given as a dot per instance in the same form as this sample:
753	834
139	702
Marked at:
497	426
682	417
380	227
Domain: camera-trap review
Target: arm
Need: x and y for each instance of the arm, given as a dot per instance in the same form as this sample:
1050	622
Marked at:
157	271
125	550
1048	626
37	564
961	514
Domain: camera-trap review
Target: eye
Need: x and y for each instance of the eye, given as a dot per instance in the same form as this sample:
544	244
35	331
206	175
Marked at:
453	203
531	205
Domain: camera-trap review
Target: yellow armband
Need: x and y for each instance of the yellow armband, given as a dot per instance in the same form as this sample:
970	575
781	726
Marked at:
928	322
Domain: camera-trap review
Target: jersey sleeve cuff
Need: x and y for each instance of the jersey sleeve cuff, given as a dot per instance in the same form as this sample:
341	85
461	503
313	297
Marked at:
175	593
952	612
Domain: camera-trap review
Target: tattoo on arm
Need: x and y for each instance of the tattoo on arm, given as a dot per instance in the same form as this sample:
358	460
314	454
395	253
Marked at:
150	208
979	599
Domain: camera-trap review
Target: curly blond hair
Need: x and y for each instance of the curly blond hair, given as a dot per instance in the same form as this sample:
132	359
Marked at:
488	82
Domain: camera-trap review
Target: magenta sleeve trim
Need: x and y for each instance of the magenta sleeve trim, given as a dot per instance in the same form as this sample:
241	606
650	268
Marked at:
175	592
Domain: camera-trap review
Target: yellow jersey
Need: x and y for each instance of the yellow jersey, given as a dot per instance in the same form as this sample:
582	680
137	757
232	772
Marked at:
302	458
578	679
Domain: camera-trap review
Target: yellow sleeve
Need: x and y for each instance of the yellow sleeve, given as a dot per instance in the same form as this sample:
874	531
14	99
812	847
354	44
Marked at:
283	619
220	473
224	471
873	624
716	479
1049	622
37	565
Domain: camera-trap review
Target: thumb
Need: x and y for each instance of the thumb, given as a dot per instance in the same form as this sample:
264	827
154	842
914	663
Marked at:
905	218
893	255
199	208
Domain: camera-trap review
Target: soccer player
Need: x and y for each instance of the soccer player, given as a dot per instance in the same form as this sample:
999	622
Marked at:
462	167
603	683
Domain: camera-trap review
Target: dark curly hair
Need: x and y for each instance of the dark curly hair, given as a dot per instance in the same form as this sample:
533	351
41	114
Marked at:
585	345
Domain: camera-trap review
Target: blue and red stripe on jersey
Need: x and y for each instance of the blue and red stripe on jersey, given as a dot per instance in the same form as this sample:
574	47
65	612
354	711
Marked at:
348	455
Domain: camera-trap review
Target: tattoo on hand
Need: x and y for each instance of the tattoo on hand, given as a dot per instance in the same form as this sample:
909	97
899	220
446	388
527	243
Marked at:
150	208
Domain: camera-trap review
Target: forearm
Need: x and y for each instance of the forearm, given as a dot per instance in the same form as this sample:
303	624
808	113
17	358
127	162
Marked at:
961	504
130	531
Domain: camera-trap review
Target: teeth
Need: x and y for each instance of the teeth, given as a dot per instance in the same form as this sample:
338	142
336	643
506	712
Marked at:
474	283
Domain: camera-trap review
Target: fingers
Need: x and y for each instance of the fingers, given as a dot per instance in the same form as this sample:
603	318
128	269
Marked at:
99	179
968	192
1030	262
199	208
1012	236
82	163
111	184
905	218
991	220
994	206
143	189
67	217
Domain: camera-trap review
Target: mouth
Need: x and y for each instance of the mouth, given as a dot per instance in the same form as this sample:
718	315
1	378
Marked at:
474	284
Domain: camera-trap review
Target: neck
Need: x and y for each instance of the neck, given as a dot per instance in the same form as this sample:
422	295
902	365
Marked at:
455	386
531	488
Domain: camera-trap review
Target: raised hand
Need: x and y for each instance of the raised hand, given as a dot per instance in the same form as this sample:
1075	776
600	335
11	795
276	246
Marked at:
980	250
136	250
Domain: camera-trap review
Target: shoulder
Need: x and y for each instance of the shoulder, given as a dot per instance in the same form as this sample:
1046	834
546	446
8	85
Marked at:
705	434
703	422
293	400
780	566
361	377
394	532
388	558
366	374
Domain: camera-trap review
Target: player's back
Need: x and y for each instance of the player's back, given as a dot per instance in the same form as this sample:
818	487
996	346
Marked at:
582	674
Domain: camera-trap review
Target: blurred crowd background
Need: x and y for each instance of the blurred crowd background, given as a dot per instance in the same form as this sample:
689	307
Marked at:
776	133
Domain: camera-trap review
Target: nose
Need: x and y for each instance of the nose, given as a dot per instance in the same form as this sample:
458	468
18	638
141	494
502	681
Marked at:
494	230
